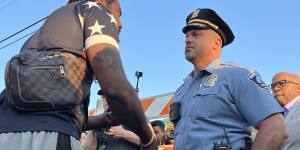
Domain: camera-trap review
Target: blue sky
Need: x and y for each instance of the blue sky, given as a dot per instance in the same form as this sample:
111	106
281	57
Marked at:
267	37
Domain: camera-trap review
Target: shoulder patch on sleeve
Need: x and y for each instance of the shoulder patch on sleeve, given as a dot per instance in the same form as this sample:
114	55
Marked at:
256	78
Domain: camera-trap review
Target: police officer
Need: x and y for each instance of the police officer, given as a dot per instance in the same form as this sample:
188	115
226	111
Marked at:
218	101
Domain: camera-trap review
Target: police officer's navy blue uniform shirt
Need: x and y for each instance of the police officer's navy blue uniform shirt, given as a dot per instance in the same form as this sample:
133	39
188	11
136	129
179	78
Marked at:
73	28
223	96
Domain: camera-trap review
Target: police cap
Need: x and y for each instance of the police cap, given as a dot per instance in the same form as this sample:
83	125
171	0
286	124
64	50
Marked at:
208	19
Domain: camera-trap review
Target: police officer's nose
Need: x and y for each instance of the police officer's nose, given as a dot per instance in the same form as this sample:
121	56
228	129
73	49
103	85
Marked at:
187	39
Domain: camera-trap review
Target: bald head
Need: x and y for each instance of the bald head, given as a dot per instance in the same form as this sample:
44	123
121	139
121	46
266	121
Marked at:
288	76
285	87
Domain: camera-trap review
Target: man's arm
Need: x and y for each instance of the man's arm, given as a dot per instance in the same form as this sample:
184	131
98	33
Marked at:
121	97
103	120
271	134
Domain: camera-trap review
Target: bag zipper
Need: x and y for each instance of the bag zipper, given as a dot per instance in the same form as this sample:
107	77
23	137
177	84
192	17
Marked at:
61	69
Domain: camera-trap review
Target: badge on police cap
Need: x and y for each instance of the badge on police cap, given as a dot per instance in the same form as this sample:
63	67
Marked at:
211	80
195	13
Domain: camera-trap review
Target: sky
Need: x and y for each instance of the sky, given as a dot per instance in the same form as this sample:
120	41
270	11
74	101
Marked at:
266	37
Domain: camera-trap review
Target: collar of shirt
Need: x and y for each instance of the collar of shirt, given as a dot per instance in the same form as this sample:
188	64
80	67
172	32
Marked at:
189	77
210	67
213	65
291	103
285	111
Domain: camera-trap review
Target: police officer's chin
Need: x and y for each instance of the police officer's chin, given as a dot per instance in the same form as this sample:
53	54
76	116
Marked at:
189	58
188	54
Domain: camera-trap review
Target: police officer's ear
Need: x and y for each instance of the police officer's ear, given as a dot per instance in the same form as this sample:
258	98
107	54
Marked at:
298	84
298	87
215	39
216	42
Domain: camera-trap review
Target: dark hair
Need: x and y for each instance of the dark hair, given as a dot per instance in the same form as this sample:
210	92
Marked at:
159	123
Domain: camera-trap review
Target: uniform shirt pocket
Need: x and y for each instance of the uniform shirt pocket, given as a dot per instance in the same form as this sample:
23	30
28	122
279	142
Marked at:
204	103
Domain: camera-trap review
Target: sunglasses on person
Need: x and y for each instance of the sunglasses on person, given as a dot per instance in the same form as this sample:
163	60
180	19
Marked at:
281	84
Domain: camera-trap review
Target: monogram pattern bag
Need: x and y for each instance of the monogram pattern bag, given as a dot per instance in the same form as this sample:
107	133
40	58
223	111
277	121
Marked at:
46	80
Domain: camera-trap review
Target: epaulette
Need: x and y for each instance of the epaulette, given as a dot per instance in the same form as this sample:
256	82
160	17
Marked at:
231	64
222	65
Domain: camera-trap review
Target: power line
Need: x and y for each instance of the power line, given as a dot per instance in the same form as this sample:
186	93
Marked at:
22	30
18	39
9	4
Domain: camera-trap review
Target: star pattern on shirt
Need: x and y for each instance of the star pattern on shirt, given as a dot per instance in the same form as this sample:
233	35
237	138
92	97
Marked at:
92	4
112	19
96	28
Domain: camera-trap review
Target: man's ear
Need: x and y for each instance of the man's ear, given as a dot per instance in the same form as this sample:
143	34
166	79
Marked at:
298	84
217	43
298	88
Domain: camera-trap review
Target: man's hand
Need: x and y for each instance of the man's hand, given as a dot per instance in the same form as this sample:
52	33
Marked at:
116	131
111	120
103	120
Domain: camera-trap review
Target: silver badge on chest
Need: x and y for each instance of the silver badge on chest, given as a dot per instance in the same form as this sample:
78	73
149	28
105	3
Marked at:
211	80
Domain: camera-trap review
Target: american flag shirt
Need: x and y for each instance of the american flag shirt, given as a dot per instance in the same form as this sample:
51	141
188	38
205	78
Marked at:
78	26
74	28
